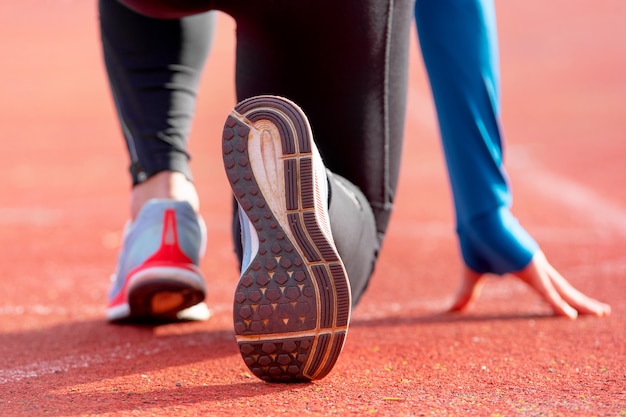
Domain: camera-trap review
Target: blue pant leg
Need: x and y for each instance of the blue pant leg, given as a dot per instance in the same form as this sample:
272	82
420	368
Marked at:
458	39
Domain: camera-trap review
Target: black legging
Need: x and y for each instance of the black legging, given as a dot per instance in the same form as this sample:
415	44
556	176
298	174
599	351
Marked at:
344	62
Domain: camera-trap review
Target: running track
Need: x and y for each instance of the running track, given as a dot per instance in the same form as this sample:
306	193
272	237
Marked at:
64	202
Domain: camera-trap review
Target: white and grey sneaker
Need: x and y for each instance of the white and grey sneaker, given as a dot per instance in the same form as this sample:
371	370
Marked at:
292	303
157	277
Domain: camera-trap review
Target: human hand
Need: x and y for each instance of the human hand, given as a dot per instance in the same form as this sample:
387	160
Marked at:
541	276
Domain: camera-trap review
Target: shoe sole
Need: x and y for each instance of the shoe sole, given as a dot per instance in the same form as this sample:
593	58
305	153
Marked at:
292	304
159	294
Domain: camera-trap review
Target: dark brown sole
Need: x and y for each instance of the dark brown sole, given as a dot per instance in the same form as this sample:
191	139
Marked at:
292	303
146	301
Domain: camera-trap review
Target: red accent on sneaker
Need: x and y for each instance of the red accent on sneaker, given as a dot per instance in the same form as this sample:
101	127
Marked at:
169	254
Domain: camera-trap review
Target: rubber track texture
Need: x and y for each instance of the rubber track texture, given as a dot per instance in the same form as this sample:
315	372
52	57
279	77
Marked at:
292	303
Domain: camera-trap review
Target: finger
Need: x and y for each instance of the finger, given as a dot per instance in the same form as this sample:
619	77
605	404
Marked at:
581	302
468	290
537	277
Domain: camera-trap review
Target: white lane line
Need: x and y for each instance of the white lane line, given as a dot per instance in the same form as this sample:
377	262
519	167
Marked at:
37	369
38	216
605	216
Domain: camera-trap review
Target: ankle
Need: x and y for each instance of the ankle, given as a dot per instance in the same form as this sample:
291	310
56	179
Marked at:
167	185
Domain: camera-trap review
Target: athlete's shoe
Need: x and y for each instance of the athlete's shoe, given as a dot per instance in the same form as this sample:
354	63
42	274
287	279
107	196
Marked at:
157	277
292	303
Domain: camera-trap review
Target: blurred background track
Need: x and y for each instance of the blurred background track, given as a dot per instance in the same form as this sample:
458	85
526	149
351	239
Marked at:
64	202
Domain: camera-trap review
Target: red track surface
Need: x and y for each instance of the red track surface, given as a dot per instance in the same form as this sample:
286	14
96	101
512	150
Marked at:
64	202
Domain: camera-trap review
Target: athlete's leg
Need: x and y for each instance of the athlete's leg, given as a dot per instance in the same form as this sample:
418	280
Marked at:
153	68
350	80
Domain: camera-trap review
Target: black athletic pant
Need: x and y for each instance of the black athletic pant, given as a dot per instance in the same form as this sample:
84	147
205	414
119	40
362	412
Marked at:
343	61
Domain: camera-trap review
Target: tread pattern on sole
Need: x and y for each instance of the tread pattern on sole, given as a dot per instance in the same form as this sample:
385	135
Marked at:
292	303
